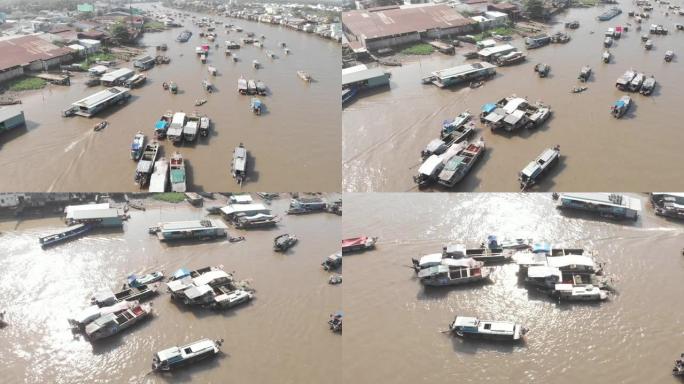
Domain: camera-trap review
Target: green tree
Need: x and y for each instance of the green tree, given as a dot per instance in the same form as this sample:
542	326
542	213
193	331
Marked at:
535	8
119	32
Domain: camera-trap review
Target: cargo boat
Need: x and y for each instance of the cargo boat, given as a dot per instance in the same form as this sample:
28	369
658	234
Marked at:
107	297
648	86
458	166
239	164
242	86
256	106
251	87
177	171
191	127
585	73
471	327
623	81
111	324
204	126
162	125
460	74
175	130
454	272
332	262
531	174
621	106
137	146
358	244
93	312
260	88
146	164
71	232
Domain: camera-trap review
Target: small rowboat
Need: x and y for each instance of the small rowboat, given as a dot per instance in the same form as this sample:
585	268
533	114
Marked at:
578	89
199	102
101	125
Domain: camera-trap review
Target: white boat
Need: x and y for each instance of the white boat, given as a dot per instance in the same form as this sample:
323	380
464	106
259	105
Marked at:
454	272
175	357
111	324
580	292
531	174
471	327
93	312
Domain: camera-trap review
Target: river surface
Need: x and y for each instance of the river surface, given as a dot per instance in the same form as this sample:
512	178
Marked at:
385	131
392	331
294	145
279	337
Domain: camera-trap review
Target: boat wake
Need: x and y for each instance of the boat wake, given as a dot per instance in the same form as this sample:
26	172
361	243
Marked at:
67	170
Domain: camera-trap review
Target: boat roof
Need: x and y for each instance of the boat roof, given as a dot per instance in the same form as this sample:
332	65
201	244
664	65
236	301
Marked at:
434	145
489	107
95	214
354	241
258	216
603	199
197	291
462	69
456	249
513	104
116	74
514	117
564	261
245	208
430	164
191	224
70	209
486	52
181	272
241	199
464	262
100	97
433	270
100	322
210	276
540	271
464	321
178	118
541	247
431	259
496	115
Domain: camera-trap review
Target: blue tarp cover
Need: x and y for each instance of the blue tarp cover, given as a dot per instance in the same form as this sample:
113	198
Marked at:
488	108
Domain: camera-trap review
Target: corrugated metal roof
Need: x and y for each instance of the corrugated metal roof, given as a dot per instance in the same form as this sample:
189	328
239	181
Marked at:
354	77
26	49
373	23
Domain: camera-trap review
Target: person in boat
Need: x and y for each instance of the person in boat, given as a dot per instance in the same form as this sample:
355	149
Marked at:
165	85
236	239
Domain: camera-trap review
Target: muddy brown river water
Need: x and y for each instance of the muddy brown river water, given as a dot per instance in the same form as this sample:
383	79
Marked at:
279	337
294	145
384	132
393	323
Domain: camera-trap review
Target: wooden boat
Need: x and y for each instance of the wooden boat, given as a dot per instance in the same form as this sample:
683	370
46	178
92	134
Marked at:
454	272
458	166
177	172
205	126
239	164
648	45
270	55
235	58
111	324
578	89
304	76
621	106
335	279
648	86
332	262
457	129
200	102
225	298
191	127
256	64
162	125
208	86
579	292
284	242
107	297
251	87
212	70
358	244
146	279
531	174
242	86
137	146
71	232
471	327
623	81
669	55
585	73
335	322
256	106
678	369
608	42
146	164
636	82
173	87
203	58
260	88
605	56
100	126
160	176
542	69
93	312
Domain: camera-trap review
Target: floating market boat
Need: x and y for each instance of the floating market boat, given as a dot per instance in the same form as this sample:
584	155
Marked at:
101	125
648	86
605	56
242	86
335	321
284	242
542	69
457	129
471	327
160	176
429	170
678	369
175	357
335	279
226	298
111	324
204	126
239	164
191	127
454	272
137	146
212	70
434	147
71	232
93	312
251	87
585	73
621	106
358	244
107	297
579	292
200	102
256	64
260	88
609	14
511	58
458	166
256	106
177	171
669	55
332	262
636	82
304	76
146	279
146	164
623	81
208	86
648	45
531	174
608	42
578	89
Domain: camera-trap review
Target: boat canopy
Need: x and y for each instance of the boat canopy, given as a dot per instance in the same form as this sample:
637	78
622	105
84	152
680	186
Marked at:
489	107
514	117
434	145
198	291
257	217
529	258
180	284
495	116
456	250
160	125
430	260
463	321
181	273
465	263
210	276
514	104
430	165
354	241
437	269
541	247
571	260
542	271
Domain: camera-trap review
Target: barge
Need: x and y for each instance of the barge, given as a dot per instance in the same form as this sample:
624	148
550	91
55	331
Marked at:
605	204
471	327
191	230
460	74
69	233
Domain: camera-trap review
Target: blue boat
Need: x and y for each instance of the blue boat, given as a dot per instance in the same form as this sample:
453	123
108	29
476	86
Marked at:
256	106
609	14
161	125
348	95
69	233
621	106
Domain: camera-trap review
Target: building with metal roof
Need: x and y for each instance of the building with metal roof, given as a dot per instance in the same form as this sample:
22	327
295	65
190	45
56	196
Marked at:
29	53
365	78
11	118
116	77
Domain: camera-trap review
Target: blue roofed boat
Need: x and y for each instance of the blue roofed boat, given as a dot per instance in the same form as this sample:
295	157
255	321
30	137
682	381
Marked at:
621	106
181	273
136	281
162	125
486	110
541	248
256	106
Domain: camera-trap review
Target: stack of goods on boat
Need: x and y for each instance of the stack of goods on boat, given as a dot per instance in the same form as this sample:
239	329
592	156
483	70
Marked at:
513	113
668	204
